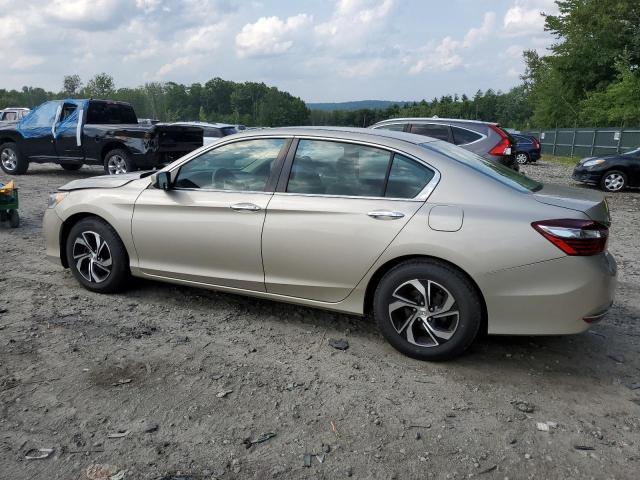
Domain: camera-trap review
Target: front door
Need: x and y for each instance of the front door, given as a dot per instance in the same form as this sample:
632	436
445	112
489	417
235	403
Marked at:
207	228
68	133
342	206
36	129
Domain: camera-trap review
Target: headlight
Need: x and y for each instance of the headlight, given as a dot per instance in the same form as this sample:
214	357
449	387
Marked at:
593	163
56	198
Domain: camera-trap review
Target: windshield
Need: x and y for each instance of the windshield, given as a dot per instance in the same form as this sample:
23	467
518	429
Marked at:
494	170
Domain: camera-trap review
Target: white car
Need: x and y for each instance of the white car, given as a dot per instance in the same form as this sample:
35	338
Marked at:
13	114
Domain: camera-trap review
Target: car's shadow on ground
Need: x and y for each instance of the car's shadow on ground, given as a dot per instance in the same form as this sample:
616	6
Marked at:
577	356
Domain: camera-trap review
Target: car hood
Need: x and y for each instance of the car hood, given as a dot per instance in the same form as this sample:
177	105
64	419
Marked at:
590	202
104	181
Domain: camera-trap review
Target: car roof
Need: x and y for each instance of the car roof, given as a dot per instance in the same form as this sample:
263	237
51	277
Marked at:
346	133
435	119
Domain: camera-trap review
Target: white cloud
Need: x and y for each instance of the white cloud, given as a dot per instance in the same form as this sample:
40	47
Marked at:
179	62
269	35
479	34
363	68
525	17
441	58
354	22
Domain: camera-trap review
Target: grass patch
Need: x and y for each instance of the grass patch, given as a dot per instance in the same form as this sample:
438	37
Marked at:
566	161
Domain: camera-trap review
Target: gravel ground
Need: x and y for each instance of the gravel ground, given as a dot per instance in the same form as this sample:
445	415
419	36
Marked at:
190	374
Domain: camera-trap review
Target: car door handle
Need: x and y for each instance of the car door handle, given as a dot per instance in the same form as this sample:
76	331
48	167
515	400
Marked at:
245	207
385	215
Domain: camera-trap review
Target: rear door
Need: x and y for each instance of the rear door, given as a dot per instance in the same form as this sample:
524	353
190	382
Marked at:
207	228
338	206
68	133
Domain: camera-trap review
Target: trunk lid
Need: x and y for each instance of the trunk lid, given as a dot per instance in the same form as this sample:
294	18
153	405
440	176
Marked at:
590	202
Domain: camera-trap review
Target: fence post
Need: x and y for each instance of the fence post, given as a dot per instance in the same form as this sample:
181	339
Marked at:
619	141
555	140
573	141
593	141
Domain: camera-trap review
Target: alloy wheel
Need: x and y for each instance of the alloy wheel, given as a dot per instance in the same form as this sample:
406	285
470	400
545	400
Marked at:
92	257
424	313
614	182
9	159
116	165
522	158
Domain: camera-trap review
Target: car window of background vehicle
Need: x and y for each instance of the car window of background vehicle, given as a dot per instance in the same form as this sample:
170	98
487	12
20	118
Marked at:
503	174
440	132
334	168
241	166
462	136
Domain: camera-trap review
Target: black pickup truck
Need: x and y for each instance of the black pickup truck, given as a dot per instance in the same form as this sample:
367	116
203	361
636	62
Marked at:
74	132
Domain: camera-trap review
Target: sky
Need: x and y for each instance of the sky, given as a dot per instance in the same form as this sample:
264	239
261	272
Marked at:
321	51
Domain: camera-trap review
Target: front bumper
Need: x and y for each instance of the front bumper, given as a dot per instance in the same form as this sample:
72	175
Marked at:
584	175
556	297
51	227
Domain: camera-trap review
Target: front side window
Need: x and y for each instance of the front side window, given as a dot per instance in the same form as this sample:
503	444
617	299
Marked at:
334	168
241	166
462	136
407	178
10	116
441	132
41	117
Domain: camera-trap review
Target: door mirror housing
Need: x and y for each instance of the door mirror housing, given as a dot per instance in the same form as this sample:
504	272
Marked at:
163	181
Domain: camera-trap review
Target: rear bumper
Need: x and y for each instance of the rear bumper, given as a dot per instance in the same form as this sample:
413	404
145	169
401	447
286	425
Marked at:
556	297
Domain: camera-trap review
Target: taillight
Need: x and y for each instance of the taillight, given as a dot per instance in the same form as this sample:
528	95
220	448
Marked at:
575	237
504	145
536	143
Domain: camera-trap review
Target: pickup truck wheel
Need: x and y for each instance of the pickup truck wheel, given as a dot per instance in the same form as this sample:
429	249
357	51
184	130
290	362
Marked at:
118	162
11	161
71	166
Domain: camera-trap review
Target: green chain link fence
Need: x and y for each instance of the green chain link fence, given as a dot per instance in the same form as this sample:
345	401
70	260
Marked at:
584	142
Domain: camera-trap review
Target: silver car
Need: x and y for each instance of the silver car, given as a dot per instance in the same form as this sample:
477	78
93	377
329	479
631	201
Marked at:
433	240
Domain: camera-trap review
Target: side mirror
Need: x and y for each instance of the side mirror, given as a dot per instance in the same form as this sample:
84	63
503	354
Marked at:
163	181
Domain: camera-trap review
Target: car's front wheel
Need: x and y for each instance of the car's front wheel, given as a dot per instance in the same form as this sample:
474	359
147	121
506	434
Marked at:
522	158
427	309
11	160
97	257
613	181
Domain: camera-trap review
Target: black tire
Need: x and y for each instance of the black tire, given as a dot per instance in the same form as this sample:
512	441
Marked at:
522	158
14	219
120	157
9	149
613	181
95	278
445	278
71	167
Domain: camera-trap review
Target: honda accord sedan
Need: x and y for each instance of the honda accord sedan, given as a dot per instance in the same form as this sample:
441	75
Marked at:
434	241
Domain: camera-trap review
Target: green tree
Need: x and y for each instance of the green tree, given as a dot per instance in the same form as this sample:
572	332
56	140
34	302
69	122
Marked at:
100	86
71	85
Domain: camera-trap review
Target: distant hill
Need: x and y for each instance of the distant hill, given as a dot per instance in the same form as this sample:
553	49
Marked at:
357	105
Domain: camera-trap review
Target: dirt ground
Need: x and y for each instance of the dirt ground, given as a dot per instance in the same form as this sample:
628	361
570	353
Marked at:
181	378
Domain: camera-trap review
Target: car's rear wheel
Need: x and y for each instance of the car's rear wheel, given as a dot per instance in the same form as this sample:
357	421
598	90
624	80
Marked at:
71	166
522	158
427	309
11	161
613	181
117	162
97	257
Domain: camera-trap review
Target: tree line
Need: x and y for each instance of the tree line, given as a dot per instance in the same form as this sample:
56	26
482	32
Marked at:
589	77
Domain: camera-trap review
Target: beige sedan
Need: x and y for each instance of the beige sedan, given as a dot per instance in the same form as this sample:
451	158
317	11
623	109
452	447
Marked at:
436	242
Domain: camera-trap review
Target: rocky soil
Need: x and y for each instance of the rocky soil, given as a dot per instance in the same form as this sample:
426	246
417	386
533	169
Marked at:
166	382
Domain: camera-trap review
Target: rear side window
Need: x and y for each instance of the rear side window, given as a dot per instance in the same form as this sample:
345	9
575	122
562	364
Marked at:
396	127
407	178
441	132
104	113
335	168
462	136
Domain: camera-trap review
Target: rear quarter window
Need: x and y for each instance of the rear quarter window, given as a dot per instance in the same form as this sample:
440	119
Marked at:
462	136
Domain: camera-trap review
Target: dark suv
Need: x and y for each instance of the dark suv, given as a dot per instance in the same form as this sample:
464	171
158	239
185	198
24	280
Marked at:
483	138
